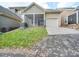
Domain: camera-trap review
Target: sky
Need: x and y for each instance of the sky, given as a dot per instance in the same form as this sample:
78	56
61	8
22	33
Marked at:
50	4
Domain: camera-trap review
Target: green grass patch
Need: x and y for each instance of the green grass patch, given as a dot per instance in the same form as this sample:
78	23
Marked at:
22	37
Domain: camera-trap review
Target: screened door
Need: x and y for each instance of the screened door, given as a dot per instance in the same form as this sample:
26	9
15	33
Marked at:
72	19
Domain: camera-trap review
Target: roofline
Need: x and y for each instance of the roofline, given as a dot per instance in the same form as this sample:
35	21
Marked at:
67	8
33	3
53	12
17	7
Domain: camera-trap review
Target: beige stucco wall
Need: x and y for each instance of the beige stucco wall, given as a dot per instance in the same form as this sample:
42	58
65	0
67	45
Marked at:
7	22
34	9
53	16
64	14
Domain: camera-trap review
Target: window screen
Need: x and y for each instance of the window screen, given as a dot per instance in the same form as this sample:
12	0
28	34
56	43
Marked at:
39	19
72	19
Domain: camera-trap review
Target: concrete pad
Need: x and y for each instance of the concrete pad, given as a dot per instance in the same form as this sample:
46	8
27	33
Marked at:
59	30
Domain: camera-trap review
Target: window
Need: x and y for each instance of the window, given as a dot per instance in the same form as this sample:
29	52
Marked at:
36	19
72	19
29	18
39	19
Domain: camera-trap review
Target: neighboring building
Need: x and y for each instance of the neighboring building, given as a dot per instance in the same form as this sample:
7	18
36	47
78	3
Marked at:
8	20
74	18
35	15
64	15
16	9
71	18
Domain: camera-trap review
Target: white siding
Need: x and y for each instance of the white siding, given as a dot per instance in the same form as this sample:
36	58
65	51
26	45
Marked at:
34	10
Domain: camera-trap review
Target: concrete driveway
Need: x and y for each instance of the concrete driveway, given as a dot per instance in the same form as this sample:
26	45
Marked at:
66	45
59	30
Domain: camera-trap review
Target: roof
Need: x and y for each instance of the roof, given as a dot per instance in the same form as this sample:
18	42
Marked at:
77	8
32	4
58	10
67	8
10	14
46	10
18	8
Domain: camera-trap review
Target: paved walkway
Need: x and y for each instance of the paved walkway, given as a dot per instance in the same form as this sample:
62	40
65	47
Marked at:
59	30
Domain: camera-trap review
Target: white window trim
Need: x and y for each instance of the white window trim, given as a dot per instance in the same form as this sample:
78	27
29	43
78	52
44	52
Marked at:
76	17
33	19
44	19
23	17
66	19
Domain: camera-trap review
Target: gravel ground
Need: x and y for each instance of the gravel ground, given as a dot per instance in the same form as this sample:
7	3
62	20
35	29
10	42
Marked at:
52	46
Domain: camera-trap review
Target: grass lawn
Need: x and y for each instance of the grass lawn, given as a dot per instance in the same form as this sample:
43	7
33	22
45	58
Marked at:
22	37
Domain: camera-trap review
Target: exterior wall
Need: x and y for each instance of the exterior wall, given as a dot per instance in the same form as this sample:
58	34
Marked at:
54	16
34	10
64	14
28	21
16	10
7	22
74	15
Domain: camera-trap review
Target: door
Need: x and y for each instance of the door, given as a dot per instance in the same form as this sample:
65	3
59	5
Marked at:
52	23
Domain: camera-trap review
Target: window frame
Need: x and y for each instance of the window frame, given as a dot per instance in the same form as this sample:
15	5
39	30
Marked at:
34	17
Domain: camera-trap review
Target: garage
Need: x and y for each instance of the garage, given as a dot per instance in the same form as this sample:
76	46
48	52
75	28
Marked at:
52	21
